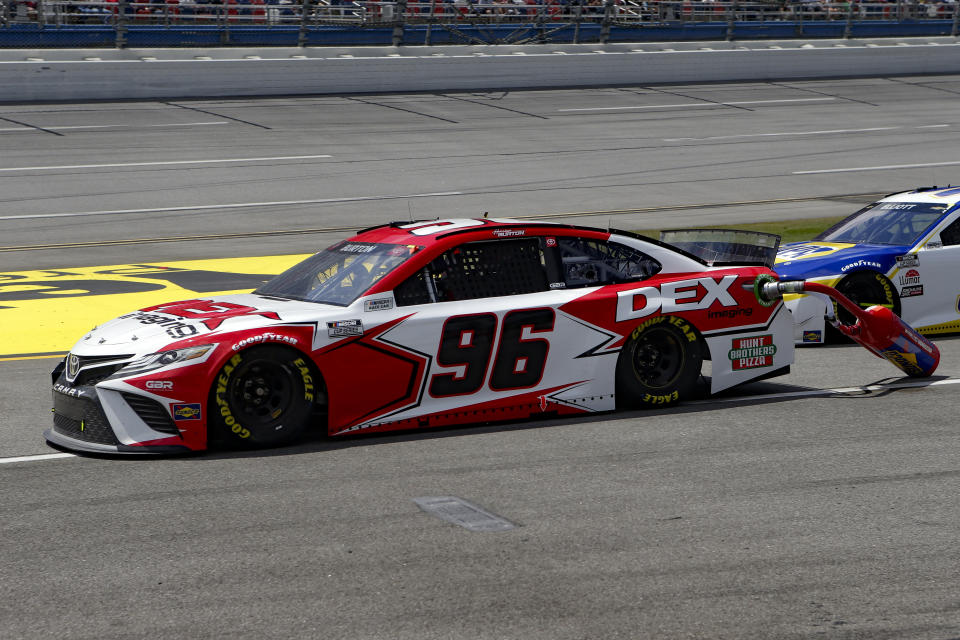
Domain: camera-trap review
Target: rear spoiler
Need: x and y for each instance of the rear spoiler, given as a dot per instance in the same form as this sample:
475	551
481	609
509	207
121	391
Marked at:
725	247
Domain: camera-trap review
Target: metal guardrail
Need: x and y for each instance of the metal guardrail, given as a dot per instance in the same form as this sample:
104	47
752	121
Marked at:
452	15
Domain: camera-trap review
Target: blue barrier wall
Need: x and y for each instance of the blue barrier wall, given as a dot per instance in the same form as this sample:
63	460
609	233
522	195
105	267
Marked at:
92	36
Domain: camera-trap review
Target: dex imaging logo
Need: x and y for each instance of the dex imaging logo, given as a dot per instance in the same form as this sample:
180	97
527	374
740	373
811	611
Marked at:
671	297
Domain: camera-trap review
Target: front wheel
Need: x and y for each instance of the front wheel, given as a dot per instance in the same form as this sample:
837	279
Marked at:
261	397
659	364
866	288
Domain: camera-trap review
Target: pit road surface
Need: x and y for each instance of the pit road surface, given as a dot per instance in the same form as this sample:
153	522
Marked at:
773	511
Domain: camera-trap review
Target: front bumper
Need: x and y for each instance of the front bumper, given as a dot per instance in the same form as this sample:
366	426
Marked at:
62	441
80	423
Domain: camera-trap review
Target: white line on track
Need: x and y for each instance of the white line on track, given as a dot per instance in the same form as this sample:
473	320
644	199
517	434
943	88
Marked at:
784	133
115	126
767	396
38	458
702	104
160	163
880	168
235	205
804	133
838	391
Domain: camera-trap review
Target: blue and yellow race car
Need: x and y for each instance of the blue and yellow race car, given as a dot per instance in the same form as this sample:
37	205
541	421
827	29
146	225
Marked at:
902	252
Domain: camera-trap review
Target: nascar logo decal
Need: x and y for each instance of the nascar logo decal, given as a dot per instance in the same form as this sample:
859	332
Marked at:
342	328
751	353
670	297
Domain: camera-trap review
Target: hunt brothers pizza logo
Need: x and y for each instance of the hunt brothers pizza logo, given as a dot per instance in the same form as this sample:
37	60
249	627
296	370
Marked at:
751	353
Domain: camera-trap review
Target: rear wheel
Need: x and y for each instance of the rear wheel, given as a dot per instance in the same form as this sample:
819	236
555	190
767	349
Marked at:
659	364
261	397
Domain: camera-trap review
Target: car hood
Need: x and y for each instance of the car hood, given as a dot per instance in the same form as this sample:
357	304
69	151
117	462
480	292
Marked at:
158	327
800	260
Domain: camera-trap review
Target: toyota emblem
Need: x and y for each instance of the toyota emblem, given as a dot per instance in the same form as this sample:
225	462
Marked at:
73	366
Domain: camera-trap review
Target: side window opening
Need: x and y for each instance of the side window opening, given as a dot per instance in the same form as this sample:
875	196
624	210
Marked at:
592	263
951	235
478	270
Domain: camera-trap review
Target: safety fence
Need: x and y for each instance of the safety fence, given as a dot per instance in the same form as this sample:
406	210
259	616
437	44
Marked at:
190	23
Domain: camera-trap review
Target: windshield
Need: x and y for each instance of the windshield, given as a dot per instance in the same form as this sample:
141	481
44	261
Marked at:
338	275
886	223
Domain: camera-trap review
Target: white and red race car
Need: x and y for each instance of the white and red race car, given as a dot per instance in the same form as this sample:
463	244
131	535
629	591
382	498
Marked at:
425	324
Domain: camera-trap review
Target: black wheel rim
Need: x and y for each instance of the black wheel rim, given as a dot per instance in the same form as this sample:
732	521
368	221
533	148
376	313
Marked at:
865	293
658	358
261	393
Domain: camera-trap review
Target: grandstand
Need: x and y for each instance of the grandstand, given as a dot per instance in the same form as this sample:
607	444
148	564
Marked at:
191	23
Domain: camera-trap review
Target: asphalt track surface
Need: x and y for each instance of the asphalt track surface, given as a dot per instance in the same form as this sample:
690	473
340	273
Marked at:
809	506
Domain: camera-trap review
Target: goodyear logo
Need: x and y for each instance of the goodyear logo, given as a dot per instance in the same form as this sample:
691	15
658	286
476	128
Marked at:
186	411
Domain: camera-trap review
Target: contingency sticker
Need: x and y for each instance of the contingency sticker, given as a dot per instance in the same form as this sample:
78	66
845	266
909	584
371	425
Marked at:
753	352
342	328
189	411
907	261
380	304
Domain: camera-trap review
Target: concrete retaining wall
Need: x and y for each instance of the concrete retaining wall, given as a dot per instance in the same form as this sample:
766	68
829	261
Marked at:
107	74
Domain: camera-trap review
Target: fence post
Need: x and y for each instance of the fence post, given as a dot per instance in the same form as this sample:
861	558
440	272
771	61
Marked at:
577	19
305	8
956	19
731	18
398	23
121	24
848	29
607	19
224	9
433	10
798	11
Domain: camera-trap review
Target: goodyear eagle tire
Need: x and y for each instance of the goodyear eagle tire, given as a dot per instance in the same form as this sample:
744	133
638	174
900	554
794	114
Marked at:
261	397
659	364
866	288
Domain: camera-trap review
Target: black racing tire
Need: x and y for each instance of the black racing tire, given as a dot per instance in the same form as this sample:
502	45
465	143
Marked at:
261	397
660	363
866	288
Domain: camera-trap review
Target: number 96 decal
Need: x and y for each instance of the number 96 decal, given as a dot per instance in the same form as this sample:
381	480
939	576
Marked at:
467	343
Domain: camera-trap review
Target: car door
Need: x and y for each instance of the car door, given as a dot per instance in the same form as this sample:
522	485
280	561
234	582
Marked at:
929	288
488	319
